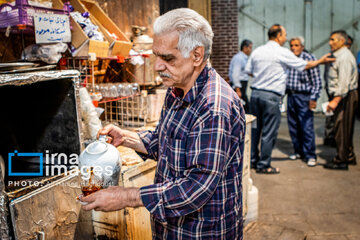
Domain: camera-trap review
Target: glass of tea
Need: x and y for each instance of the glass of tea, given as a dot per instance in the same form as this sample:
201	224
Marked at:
90	183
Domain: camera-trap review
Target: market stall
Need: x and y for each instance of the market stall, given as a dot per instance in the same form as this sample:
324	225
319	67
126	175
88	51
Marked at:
67	70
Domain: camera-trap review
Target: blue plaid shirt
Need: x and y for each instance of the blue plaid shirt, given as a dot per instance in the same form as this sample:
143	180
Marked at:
199	145
305	81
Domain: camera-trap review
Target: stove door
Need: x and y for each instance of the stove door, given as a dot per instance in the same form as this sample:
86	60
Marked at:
50	212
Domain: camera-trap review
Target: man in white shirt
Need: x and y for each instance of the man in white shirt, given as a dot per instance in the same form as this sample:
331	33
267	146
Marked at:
238	77
268	64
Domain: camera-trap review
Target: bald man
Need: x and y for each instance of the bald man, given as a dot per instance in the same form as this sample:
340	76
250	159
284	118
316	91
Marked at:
268	64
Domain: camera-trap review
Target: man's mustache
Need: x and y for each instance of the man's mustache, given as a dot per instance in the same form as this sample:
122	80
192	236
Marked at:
161	74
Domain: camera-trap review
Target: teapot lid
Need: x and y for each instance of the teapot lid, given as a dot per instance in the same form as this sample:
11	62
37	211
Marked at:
97	147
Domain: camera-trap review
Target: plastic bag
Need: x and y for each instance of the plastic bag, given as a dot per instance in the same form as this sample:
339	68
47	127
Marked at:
89	28
49	53
89	114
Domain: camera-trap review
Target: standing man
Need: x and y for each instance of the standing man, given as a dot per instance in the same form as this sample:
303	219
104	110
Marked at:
349	42
358	68
303	89
329	133
198	143
342	77
238	77
269	64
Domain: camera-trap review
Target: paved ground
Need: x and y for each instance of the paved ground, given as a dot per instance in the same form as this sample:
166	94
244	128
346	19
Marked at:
307	203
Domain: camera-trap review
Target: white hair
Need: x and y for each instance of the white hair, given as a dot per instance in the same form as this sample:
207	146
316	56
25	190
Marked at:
194	30
300	39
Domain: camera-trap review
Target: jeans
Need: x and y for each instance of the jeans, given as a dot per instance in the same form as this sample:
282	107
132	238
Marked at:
301	124
264	106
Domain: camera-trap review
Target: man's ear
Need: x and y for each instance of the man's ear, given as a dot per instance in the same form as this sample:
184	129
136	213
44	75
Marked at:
198	55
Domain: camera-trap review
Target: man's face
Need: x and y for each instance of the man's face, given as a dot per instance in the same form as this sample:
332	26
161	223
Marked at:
349	43
173	68
282	36
247	49
336	42
296	47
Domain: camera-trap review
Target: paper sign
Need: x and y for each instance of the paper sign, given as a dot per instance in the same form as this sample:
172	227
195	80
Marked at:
324	108
51	28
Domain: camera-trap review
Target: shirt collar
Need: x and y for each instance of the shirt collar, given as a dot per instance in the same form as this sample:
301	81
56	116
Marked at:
272	42
178	93
340	51
244	55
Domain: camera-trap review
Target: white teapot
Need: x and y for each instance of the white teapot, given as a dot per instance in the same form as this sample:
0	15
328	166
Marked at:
102	160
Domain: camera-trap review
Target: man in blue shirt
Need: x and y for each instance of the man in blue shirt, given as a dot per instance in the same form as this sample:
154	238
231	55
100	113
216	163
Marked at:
303	89
269	64
238	77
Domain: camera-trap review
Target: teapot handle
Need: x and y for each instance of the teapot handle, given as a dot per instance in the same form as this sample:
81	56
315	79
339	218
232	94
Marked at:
102	138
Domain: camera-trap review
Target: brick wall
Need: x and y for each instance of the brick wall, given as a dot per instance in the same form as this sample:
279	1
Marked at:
224	21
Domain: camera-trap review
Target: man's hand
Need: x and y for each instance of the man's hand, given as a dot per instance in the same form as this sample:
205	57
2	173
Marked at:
327	59
312	104
238	91
333	104
118	136
112	199
115	135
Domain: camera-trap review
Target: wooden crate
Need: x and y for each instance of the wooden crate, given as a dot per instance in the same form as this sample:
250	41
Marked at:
50	211
130	223
83	44
246	161
121	46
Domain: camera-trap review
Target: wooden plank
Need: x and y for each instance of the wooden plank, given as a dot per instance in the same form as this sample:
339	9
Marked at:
135	12
59	212
4	212
203	7
138	219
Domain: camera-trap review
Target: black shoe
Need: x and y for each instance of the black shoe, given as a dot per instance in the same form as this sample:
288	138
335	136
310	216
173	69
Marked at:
336	166
253	166
353	162
330	142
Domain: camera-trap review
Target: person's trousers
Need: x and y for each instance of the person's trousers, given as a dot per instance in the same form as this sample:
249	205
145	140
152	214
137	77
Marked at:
329	133
265	107
301	124
344	116
244	95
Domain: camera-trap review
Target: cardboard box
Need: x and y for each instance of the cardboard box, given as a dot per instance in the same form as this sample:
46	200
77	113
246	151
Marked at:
118	47
83	44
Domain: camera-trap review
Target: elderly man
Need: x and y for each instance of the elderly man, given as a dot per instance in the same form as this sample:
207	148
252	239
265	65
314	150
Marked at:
303	89
268	64
238	77
342	87
198	142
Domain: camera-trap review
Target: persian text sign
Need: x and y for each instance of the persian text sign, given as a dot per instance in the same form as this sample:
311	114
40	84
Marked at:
51	28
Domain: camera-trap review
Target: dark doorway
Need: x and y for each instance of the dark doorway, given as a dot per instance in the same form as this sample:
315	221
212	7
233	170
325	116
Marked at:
167	5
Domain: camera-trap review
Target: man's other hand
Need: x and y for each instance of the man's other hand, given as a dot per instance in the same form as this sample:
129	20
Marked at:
238	91
333	104
312	105
112	199
327	59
